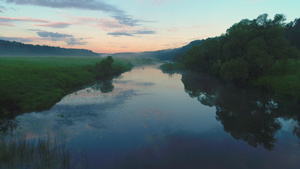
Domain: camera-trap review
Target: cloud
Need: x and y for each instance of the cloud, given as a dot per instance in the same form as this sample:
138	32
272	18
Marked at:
55	36
23	19
56	24
45	34
19	39
131	33
7	24
73	41
34	30
126	19
2	9
6	20
105	24
140	32
120	34
115	12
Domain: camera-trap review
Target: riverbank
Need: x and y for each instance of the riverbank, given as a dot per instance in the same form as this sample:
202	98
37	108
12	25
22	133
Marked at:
282	80
37	83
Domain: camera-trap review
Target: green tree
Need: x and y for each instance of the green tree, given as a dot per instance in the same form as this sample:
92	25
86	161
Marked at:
204	57
104	69
235	69
251	47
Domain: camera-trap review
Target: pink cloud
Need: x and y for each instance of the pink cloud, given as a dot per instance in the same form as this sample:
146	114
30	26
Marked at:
103	24
7	24
22	19
106	24
20	39
80	19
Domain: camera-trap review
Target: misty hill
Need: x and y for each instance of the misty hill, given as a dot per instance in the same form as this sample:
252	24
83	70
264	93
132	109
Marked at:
8	48
167	54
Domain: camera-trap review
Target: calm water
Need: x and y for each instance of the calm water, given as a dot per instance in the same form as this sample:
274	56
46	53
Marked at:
147	119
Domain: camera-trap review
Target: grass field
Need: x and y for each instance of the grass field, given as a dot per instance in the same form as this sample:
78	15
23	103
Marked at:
37	83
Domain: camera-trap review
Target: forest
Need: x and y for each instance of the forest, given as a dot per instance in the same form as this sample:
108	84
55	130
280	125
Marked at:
8	48
261	52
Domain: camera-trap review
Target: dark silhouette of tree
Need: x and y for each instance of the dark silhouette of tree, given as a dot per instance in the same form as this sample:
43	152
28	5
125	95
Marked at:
21	49
248	117
293	32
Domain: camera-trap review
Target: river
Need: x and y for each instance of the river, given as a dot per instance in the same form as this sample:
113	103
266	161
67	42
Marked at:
148	119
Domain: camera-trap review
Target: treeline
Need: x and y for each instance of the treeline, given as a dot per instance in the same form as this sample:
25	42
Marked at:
167	54
8	48
247	49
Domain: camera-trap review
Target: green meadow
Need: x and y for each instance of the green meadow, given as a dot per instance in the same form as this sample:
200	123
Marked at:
37	83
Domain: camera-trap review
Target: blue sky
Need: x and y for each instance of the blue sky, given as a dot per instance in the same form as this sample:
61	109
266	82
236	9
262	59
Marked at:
109	26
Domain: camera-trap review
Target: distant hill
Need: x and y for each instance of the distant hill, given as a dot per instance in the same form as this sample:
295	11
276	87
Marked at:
8	48
167	54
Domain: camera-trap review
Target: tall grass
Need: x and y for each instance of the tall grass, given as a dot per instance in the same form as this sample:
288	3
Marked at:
42	153
34	84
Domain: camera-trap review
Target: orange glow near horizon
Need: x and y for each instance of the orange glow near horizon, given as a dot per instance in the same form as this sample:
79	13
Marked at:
134	26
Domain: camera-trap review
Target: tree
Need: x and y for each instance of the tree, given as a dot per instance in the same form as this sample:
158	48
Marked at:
105	69
293	33
251	47
203	57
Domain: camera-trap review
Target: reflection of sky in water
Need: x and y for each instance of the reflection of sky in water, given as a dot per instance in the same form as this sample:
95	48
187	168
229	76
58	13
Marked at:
148	121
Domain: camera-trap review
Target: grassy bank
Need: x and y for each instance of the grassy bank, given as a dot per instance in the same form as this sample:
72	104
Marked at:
35	84
283	79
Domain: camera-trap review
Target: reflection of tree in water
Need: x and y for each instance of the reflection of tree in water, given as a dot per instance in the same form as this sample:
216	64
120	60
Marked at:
104	86
203	87
247	115
8	126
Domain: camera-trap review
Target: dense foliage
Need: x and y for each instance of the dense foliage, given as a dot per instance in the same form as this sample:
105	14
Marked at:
17	48
261	52
293	32
247	50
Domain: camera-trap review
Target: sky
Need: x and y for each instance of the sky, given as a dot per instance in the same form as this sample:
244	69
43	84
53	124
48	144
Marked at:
112	26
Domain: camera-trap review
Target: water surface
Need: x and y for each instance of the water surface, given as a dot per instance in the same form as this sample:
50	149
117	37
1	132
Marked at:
147	119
